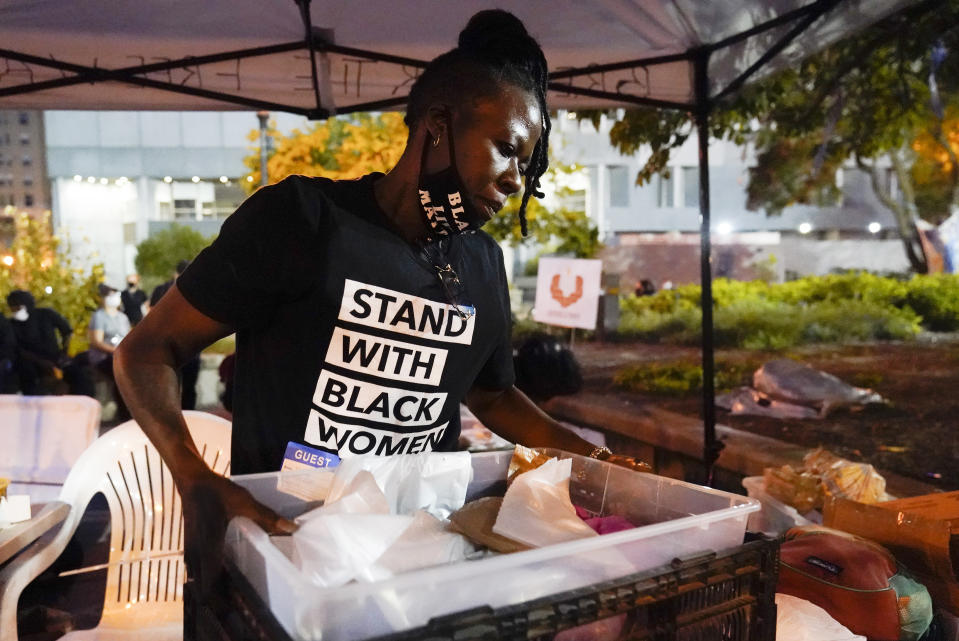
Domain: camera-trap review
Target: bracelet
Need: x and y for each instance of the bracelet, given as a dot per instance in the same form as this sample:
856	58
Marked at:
600	453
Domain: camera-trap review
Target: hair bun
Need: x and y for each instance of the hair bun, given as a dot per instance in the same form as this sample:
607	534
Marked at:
494	32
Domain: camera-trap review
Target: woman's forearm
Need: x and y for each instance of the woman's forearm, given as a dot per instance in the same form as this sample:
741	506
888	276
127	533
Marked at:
510	414
146	374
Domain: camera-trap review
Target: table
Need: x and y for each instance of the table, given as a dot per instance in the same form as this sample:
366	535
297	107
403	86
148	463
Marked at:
15	538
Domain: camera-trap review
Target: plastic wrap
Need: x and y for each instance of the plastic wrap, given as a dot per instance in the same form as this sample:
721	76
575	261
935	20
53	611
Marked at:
824	474
797	383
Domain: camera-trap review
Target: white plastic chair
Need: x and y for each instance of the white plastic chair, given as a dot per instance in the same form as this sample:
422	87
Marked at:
42	438
145	573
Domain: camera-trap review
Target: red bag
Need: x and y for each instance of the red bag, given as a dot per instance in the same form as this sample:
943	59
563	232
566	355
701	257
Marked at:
856	581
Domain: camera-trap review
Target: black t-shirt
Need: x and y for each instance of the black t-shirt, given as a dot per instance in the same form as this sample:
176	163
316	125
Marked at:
132	302
345	339
159	291
43	333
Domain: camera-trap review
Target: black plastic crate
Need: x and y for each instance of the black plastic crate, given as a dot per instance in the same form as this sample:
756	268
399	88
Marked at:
724	596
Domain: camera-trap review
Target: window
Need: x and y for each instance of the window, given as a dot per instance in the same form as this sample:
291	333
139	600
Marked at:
184	209
27	160
664	190
28	181
28	200
24	118
619	186
24	139
691	186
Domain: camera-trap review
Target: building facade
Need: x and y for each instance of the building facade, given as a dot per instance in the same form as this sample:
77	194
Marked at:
117	177
652	231
23	178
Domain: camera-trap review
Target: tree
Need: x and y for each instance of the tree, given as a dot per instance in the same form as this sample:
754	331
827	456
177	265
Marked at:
337	148
158	255
561	229
343	148
868	99
40	262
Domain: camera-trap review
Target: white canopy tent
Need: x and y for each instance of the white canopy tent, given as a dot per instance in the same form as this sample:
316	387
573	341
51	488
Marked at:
323	56
320	57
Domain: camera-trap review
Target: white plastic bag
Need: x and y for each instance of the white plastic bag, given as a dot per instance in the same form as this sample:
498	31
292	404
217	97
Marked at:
800	620
338	541
797	383
424	543
537	509
431	481
363	533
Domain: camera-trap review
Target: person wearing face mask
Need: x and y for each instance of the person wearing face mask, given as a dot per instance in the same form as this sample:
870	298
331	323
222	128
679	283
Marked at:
43	336
8	357
132	299
108	327
365	310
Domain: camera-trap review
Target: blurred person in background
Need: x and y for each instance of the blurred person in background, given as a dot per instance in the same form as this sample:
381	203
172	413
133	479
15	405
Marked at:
43	336
107	328
8	357
132	299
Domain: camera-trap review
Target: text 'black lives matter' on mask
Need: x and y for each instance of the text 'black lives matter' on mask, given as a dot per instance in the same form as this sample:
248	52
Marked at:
443	198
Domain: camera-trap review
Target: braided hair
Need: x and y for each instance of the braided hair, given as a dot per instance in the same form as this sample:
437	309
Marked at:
493	48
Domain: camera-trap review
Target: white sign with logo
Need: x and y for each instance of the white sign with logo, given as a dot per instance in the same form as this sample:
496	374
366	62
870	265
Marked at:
567	292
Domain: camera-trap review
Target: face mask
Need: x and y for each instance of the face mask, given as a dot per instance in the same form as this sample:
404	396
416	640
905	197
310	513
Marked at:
446	207
112	301
21	314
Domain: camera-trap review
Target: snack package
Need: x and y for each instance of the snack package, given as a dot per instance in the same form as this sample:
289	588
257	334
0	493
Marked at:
824	474
801	490
524	459
855	481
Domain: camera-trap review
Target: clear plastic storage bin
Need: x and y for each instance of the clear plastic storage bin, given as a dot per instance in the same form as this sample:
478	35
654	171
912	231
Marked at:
676	519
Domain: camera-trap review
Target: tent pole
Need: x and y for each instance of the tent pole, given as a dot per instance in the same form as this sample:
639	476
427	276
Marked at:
711	446
264	118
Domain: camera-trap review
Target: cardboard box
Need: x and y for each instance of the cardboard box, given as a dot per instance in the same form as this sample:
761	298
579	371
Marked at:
922	532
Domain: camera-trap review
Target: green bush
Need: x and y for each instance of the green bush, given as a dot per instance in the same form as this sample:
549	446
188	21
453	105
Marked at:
853	306
935	298
678	378
679	326
158	255
756	324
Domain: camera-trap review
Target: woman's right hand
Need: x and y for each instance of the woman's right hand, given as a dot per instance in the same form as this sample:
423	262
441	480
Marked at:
209	503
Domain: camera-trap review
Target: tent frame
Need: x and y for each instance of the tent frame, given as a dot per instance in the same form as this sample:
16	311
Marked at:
318	43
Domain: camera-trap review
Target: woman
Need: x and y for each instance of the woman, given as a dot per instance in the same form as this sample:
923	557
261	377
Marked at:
365	310
107	328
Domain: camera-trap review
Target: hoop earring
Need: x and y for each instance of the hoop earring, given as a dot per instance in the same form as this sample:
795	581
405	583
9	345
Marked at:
436	141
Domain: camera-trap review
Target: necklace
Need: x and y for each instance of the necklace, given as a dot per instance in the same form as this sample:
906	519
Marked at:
435	255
